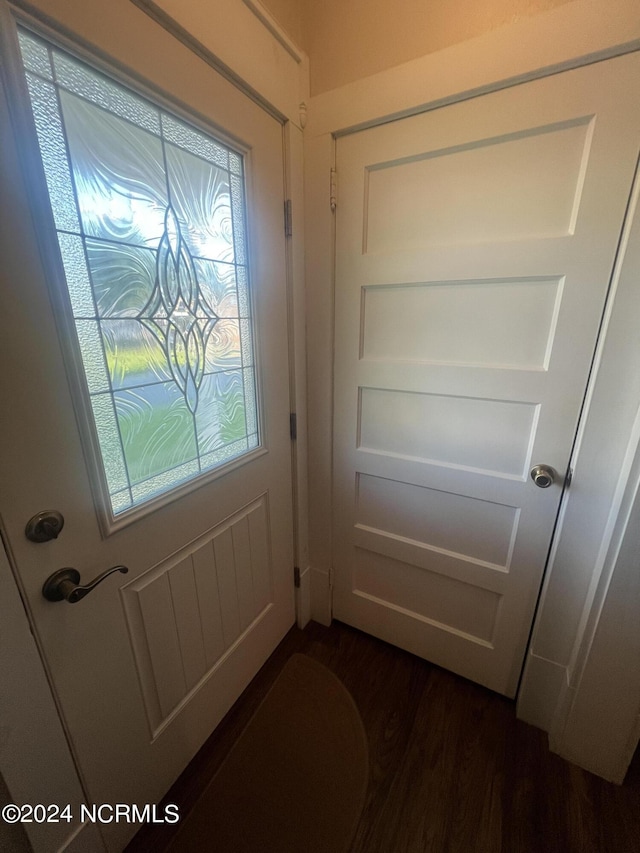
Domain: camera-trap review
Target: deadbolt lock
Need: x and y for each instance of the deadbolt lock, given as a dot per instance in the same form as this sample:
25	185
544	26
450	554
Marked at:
44	526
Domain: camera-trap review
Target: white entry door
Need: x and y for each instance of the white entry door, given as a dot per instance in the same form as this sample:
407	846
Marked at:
145	385
475	245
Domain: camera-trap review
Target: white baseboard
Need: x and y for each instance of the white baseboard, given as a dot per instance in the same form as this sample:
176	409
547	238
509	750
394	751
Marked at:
540	691
303	599
321	596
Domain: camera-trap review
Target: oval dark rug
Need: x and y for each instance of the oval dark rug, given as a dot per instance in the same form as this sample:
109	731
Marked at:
296	779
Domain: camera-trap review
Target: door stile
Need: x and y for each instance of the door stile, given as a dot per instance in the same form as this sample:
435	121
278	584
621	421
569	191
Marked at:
34	181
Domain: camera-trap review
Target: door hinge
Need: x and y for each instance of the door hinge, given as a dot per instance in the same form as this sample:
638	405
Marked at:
293	426
333	190
288	219
296	577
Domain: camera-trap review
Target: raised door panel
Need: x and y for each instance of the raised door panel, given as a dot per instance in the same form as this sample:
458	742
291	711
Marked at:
475	244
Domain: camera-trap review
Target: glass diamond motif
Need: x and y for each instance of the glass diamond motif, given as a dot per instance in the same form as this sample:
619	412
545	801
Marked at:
150	214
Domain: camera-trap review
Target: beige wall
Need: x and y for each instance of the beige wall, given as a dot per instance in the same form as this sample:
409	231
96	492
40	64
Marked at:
288	14
350	39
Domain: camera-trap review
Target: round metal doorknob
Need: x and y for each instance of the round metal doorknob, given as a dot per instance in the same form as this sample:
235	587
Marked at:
543	476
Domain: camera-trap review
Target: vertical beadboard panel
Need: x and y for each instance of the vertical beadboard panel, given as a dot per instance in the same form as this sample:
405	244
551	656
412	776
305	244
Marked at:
142	654
225	564
185	613
244	581
204	567
260	561
162	638
185	607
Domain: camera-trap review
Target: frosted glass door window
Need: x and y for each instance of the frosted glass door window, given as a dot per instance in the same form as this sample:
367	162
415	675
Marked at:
150	217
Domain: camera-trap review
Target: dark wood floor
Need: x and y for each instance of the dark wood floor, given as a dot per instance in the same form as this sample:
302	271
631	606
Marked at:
452	770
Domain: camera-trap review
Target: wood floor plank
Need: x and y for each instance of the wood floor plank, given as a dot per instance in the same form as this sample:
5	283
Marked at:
451	768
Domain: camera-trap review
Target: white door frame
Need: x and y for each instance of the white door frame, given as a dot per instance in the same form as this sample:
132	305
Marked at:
33	734
238	41
596	722
569	36
278	80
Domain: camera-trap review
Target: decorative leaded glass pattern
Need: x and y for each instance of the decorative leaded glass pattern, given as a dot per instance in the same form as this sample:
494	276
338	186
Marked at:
150	216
